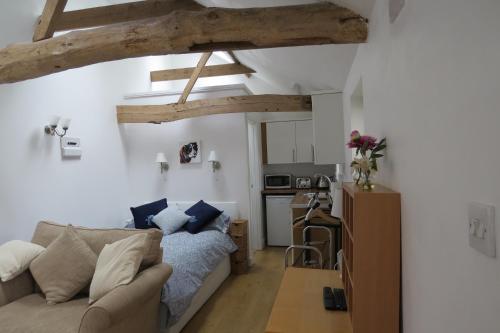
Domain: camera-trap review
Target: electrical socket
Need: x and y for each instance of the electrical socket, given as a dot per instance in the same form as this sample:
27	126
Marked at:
481	225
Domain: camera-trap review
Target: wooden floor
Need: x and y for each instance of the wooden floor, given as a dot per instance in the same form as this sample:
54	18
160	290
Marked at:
243	303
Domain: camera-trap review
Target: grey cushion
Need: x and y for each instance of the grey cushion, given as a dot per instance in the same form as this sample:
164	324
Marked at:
170	220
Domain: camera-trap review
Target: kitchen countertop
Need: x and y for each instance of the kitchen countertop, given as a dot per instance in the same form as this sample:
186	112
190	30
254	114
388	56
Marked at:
301	200
291	191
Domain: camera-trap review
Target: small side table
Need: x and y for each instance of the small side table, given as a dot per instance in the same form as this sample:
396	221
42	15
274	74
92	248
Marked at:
238	230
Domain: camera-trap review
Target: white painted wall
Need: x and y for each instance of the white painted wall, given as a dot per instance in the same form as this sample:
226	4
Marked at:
430	84
118	166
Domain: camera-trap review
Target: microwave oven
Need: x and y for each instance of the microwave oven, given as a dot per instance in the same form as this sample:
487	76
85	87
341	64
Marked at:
278	181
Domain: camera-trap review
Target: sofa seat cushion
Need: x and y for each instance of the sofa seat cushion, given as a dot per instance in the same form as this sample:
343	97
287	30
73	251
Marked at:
31	314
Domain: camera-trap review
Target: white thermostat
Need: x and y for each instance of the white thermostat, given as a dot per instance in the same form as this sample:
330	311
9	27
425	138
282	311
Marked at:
70	147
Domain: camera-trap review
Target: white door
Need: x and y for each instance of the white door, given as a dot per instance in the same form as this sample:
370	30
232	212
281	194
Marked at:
279	222
281	142
256	225
304	141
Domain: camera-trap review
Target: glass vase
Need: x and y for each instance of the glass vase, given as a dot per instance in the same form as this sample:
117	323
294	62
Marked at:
364	179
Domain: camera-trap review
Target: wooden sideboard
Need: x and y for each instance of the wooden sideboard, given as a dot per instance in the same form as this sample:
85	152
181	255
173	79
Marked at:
371	267
298	307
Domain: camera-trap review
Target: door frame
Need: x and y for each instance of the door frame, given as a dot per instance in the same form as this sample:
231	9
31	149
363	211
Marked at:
255	186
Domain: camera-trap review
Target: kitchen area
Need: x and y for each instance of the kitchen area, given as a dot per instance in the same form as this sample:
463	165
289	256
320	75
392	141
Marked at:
297	156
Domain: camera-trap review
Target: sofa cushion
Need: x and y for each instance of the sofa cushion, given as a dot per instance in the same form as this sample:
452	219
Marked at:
117	265
46	232
16	288
65	267
32	314
15	258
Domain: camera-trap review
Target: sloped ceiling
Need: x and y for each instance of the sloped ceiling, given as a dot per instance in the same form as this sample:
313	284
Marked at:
311	67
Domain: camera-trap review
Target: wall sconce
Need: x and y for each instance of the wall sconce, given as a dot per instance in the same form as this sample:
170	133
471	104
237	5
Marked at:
161	159
212	157
51	128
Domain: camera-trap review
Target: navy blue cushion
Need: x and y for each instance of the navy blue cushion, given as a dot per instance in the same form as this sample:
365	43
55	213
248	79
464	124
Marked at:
203	213
143	213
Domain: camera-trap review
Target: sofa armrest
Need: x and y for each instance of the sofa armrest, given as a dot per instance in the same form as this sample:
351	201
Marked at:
12	290
124	301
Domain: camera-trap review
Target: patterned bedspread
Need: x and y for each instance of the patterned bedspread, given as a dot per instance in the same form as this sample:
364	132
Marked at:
193	258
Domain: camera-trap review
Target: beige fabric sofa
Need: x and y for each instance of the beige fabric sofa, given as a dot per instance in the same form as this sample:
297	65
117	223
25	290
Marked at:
131	308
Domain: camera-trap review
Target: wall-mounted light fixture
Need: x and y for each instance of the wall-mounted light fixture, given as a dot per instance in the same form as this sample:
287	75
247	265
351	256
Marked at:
51	128
161	159
212	158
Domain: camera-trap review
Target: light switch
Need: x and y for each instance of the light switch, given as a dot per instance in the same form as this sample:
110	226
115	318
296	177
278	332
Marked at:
482	228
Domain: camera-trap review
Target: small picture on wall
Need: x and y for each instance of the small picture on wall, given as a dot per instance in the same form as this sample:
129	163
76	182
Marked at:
190	152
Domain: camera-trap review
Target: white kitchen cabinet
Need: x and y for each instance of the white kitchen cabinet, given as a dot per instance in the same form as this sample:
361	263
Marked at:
328	128
280	142
278	220
290	142
304	141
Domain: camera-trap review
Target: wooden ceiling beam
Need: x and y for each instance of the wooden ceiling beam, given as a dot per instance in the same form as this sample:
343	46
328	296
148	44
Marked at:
99	16
172	112
194	77
208	71
236	60
210	29
46	25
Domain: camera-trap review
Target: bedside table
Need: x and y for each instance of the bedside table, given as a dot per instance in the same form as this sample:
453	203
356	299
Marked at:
238	230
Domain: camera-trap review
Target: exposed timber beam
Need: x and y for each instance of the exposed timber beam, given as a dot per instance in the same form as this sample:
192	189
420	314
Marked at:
47	21
198	108
236	60
194	77
233	57
208	71
210	29
98	16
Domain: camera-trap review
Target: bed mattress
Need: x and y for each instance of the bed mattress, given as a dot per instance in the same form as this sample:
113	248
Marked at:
193	257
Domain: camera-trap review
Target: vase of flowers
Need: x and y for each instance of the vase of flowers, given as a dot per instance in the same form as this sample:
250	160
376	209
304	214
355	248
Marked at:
364	165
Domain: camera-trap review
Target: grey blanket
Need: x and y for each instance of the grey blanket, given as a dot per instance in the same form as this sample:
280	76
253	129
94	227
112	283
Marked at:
193	258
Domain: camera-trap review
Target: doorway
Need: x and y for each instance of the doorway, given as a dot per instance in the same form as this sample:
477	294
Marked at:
255	174
357	110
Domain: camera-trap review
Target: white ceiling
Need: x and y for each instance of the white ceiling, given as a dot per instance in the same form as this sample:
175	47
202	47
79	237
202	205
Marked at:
311	67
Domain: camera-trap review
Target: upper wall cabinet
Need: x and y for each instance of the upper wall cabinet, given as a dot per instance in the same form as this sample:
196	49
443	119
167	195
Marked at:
289	142
281	142
328	128
304	141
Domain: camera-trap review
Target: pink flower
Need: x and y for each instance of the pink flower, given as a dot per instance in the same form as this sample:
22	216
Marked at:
352	144
372	142
358	140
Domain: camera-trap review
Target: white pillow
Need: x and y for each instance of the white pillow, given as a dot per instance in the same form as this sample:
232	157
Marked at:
170	220
118	264
15	258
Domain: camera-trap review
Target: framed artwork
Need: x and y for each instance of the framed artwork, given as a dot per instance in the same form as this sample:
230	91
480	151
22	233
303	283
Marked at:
190	152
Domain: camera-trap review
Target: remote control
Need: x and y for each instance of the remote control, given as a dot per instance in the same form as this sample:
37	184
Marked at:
328	298
339	297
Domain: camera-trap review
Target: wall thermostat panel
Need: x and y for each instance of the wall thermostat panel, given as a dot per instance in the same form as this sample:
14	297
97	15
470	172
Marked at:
70	147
